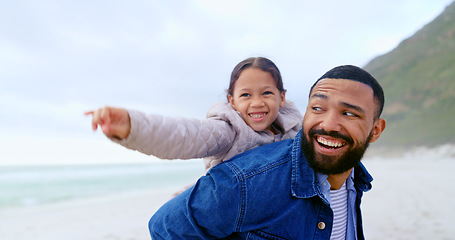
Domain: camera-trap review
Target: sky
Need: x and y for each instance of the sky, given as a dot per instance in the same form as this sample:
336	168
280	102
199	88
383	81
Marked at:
61	58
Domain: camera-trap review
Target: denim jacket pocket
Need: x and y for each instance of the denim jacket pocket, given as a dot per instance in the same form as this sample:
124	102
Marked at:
260	235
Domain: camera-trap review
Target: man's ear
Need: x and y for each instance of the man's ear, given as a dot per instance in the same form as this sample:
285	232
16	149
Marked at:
378	128
231	101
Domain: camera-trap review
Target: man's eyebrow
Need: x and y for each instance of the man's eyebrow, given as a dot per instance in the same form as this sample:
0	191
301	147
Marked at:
345	104
318	95
351	106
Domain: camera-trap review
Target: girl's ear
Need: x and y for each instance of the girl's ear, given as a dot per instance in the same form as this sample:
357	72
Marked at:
283	98
378	128
231	101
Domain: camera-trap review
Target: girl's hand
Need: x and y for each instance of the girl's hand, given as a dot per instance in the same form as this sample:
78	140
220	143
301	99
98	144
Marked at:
114	122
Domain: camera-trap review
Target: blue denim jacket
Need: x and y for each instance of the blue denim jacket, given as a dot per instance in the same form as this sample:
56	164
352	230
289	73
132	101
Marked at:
269	192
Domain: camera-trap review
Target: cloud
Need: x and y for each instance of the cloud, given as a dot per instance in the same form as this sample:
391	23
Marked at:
174	58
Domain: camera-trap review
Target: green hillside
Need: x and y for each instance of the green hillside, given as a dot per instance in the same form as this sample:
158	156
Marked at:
418	78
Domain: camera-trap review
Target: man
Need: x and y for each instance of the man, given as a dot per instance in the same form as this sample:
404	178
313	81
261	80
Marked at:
306	188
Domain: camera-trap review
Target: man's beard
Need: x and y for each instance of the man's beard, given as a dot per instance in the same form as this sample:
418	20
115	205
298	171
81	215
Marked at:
333	164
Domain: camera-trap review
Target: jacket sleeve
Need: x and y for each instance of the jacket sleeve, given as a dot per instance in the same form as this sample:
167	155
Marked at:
177	138
209	210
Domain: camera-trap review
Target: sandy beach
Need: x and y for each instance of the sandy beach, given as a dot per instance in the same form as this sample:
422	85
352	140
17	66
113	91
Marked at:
114	218
410	199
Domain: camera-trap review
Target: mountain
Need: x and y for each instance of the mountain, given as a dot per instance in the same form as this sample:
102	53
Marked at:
418	78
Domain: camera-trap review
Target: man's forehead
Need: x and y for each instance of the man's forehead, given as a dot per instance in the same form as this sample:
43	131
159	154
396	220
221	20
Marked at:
346	86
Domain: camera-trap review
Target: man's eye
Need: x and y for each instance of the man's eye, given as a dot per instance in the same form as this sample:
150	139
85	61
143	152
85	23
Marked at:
317	109
350	114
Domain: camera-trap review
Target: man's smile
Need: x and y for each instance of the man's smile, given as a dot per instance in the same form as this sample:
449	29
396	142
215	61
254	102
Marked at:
330	143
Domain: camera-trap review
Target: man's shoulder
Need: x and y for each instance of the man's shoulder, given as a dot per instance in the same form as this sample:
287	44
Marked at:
261	158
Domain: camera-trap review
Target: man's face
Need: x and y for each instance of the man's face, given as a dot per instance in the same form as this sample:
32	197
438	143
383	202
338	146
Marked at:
339	124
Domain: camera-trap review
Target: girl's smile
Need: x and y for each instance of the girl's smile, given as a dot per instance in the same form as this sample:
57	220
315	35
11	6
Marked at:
258	116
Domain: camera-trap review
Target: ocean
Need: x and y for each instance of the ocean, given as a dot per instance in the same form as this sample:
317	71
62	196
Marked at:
24	186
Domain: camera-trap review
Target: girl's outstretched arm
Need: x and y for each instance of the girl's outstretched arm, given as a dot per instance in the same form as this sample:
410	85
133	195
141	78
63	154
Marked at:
114	122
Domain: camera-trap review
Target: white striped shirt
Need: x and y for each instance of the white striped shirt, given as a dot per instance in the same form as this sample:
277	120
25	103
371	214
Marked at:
339	205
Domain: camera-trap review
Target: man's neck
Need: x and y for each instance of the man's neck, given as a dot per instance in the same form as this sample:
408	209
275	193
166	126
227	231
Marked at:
337	180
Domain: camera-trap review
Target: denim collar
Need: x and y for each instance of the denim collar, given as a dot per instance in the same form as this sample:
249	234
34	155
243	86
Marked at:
303	181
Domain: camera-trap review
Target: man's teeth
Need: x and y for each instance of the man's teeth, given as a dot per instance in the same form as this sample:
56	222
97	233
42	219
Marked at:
257	115
330	143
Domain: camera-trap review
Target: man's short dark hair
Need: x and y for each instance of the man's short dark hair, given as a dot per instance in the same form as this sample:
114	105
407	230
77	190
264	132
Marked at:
354	73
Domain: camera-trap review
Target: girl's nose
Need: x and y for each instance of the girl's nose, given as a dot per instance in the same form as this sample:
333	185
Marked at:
257	102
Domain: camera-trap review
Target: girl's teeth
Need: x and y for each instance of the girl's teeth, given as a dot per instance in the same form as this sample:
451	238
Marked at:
257	115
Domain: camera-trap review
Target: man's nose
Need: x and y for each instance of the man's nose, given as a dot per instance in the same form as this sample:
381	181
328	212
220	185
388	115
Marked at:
331	122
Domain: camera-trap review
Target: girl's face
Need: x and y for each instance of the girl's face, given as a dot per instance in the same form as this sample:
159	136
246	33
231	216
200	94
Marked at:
257	98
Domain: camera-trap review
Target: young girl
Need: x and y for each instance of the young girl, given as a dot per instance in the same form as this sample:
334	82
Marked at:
256	114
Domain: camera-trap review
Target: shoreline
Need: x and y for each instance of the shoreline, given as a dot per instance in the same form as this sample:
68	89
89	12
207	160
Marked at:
410	199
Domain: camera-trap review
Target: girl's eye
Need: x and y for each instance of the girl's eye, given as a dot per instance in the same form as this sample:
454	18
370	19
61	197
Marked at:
267	93
244	95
